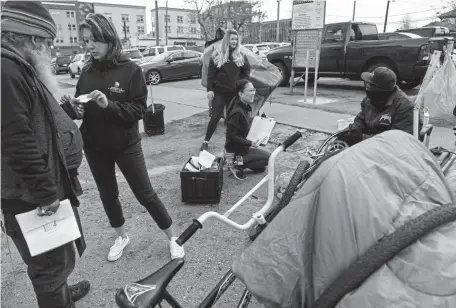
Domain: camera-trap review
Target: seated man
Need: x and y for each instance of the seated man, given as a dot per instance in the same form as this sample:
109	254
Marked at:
385	107
238	124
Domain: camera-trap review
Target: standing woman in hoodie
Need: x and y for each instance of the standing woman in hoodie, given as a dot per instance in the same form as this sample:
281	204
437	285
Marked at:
227	65
118	100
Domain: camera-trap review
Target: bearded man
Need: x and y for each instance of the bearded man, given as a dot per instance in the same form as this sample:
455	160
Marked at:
384	108
41	147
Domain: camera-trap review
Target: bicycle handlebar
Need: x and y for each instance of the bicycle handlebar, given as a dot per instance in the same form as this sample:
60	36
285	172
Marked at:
198	223
292	139
188	233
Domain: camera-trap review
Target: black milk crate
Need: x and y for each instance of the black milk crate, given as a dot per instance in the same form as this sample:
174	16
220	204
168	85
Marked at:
202	187
154	123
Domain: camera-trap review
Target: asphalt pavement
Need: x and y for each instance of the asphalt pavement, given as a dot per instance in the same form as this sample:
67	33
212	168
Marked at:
336	99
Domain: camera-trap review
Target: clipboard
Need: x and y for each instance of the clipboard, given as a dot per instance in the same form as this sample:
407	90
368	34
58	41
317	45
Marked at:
261	130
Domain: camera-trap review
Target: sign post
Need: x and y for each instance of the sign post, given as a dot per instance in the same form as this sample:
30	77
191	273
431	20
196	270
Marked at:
308	22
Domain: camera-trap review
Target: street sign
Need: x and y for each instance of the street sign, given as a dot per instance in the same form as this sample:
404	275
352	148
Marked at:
308	14
306	40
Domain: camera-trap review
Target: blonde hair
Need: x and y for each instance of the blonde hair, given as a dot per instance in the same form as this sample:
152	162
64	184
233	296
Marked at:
221	54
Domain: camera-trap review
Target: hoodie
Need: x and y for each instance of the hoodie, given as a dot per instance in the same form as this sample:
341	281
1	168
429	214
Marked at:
115	127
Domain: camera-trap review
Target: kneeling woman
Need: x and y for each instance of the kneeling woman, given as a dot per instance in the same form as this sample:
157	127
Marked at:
238	123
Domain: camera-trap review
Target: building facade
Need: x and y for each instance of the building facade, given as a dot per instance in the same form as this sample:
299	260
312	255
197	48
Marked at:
129	20
178	25
267	32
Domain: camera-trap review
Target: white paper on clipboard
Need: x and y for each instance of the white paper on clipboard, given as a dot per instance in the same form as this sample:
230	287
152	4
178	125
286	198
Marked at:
261	129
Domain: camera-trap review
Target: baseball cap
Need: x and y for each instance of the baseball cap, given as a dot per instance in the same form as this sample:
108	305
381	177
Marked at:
382	78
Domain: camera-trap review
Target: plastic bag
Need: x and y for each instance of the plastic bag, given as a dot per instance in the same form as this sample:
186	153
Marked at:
439	95
264	76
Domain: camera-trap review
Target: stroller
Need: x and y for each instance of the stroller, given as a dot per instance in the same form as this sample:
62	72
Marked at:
361	232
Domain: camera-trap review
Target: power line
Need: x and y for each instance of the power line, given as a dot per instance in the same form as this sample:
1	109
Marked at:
377	17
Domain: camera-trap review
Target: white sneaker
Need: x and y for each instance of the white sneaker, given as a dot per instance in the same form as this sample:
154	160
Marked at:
117	249
176	250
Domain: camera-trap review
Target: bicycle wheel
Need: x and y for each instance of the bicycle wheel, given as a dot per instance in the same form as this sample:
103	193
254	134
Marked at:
287	195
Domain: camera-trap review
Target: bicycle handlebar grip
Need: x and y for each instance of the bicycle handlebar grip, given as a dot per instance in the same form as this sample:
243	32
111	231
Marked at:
292	139
188	233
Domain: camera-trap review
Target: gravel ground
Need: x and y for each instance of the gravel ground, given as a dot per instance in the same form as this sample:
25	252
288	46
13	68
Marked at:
209	253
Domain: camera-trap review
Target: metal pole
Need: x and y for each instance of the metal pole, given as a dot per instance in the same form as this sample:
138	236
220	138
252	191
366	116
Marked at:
354	9
278	22
157	38
386	16
307	75
166	21
317	64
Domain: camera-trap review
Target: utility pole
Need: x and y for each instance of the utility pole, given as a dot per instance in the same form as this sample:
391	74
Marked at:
166	21
157	39
354	9
278	22
386	16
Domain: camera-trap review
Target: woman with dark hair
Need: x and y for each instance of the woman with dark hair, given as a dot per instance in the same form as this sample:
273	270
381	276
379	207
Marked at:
118	94
238	124
227	65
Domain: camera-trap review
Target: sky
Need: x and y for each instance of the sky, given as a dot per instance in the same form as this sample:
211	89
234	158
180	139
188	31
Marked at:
421	12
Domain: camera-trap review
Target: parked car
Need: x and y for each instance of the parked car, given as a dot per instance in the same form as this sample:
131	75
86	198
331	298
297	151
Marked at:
172	65
153	51
134	54
397	36
60	64
350	48
259	49
77	63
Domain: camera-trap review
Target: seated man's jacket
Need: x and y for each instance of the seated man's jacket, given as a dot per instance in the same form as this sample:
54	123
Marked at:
396	114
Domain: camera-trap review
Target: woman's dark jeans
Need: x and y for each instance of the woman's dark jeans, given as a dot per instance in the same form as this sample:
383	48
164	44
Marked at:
220	101
133	166
48	271
256	160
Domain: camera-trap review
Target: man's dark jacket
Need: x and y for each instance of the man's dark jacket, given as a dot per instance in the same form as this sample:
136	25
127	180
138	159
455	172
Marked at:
40	143
396	114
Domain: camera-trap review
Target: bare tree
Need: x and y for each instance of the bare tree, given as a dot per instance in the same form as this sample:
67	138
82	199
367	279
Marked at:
406	22
212	14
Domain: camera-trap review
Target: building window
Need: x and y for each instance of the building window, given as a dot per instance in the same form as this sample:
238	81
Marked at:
72	14
59	27
69	27
180	29
71	40
74	27
180	19
167	18
139	18
75	39
68	14
192	20
141	30
168	29
125	17
192	30
128	29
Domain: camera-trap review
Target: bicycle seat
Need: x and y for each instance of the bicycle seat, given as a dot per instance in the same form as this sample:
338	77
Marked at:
148	292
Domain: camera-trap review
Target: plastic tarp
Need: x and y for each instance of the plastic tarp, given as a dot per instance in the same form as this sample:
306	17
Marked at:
264	76
356	198
439	93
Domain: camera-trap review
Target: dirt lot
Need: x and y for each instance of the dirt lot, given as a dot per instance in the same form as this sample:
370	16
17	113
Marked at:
209	254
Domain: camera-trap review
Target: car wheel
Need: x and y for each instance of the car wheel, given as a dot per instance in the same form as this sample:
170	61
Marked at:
285	74
71	74
79	71
408	85
153	77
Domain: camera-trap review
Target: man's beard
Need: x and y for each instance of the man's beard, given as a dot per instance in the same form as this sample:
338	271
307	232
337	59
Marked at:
40	59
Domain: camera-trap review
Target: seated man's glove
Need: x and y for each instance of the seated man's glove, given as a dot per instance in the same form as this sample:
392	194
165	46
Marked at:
352	136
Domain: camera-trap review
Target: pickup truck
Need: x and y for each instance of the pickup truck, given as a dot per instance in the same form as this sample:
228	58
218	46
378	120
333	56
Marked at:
351	48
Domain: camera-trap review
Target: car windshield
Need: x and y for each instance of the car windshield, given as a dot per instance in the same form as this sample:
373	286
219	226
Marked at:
249	48
175	48
63	60
411	35
273	46
134	54
161	57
